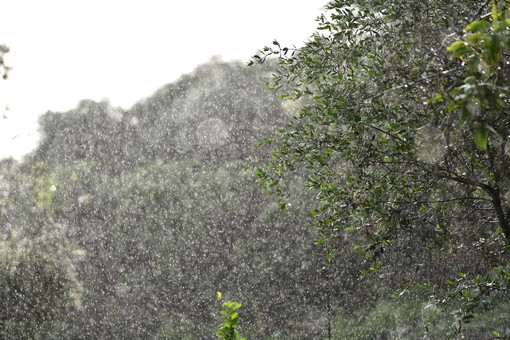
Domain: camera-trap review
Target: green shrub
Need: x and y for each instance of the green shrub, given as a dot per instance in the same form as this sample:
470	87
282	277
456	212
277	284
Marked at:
228	328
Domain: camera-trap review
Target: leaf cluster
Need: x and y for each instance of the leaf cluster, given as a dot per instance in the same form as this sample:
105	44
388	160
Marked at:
227	329
396	170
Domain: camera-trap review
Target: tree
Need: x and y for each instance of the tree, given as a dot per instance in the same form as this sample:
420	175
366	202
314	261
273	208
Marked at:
405	145
164	218
212	114
38	286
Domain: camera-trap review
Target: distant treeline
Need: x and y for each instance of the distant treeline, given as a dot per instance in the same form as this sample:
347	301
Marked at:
125	224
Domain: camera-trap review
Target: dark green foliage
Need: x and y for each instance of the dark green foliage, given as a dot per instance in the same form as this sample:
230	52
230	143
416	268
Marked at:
165	218
163	236
157	201
419	186
38	285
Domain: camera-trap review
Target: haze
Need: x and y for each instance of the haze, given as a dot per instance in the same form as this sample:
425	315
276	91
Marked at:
122	51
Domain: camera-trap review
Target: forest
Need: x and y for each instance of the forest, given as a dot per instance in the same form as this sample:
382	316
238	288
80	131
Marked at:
357	187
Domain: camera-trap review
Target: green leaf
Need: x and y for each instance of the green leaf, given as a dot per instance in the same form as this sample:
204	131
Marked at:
505	23
436	98
495	12
478	26
480	136
451	106
459	49
455	46
477	37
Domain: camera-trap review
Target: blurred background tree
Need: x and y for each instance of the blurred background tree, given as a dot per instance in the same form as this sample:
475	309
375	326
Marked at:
4	69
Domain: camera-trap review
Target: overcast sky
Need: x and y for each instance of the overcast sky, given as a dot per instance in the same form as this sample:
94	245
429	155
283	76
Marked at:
63	51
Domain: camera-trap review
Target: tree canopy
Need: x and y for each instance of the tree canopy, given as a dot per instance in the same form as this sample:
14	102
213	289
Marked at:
403	135
158	205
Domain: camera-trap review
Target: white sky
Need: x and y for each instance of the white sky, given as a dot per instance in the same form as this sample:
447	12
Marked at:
63	51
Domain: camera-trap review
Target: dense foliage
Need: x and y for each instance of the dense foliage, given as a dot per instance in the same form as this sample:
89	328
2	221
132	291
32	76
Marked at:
154	212
404	132
38	286
391	127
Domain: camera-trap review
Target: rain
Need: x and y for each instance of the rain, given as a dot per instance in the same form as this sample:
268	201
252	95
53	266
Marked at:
153	185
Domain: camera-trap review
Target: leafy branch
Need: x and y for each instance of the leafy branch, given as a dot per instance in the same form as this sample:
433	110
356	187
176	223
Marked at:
228	328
